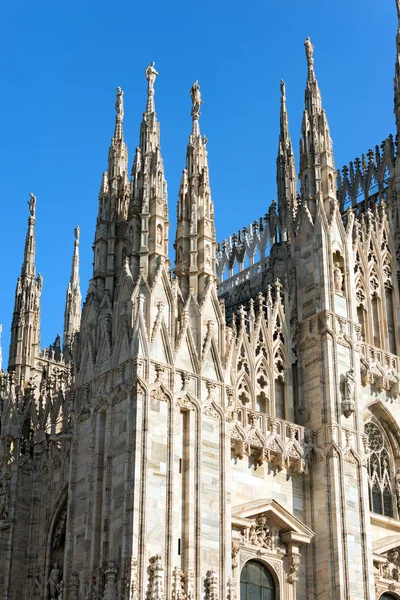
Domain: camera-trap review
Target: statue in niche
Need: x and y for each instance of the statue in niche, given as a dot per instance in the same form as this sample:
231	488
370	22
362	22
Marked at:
208	256
349	389
159	235
54	581
338	279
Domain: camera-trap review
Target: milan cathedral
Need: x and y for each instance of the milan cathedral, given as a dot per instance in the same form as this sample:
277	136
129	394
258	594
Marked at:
226	427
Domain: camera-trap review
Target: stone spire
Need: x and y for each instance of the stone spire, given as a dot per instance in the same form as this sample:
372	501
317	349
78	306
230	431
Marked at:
25	328
195	237
1	348
397	75
72	313
286	177
317	168
148	223
113	207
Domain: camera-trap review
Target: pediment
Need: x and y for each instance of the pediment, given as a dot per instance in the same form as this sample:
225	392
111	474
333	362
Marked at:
386	544
290	527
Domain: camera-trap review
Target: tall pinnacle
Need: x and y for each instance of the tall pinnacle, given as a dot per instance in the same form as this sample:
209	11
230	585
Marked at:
25	328
195	236
313	95
28	266
397	74
148	223
72	313
286	171
317	168
118	152
284	121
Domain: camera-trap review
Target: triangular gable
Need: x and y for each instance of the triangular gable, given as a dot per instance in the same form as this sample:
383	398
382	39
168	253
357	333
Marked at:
277	515
161	349
211	364
186	356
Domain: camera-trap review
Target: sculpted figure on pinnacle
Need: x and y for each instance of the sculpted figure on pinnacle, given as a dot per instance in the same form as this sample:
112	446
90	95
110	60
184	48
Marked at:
32	204
119	104
196	99
309	50
151	75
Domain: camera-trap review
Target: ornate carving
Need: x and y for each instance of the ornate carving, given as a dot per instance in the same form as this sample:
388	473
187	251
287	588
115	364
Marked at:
110	589
157	578
260	534
74	586
235	551
54	581
348	403
211	585
294	565
4	498
177	584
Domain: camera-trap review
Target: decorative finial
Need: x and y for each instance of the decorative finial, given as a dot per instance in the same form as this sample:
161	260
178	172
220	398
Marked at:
32	204
196	100
398	9
151	75
283	89
309	51
119	103
77	233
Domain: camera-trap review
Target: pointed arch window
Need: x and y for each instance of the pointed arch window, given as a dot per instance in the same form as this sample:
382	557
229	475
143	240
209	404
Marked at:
256	582
380	487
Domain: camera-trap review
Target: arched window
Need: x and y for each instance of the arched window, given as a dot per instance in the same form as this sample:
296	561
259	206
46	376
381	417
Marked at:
256	582
380	487
387	597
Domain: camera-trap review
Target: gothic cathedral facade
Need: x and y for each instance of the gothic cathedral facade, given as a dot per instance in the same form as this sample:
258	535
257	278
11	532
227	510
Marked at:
227	428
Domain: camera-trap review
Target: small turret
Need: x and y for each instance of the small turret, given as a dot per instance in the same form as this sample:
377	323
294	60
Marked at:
72	313
148	223
317	168
195	236
25	328
286	172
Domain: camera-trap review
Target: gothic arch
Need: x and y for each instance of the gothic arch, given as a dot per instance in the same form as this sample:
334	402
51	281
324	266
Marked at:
386	420
60	506
271	568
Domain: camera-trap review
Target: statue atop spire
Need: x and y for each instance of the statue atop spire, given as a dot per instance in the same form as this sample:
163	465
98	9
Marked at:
196	100
32	205
283	89
310	58
119	103
151	75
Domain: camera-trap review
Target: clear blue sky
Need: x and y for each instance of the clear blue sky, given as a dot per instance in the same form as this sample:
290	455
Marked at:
61	62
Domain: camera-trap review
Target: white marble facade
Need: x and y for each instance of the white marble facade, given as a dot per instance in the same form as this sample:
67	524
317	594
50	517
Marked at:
204	425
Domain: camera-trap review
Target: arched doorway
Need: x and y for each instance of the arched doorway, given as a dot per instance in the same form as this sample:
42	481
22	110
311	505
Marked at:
256	582
386	596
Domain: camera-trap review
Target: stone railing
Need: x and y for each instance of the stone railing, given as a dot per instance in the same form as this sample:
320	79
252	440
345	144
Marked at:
264	438
380	368
245	275
366	177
